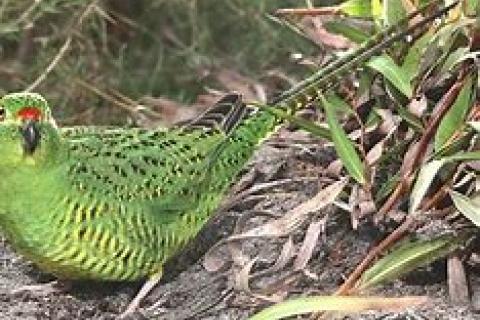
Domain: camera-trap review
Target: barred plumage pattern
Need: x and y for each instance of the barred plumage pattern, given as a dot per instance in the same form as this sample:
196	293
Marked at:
125	200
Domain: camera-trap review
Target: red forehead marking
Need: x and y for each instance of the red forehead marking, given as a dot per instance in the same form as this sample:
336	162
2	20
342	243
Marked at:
30	113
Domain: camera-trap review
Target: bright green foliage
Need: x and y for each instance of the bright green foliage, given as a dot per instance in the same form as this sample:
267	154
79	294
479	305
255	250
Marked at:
343	146
409	256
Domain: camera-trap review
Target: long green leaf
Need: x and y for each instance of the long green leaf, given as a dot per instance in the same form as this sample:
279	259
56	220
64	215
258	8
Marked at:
455	117
299	306
463	156
428	172
342	27
394	12
454	58
423	182
411	63
469	207
395	75
409	257
343	146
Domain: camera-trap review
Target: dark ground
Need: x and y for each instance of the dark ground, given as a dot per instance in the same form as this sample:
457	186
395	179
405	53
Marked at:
184	294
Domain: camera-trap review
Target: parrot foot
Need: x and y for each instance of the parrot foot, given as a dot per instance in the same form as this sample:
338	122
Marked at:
144	291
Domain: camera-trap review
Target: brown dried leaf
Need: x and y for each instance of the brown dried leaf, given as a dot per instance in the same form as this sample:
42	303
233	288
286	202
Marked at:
335	168
389	122
389	125
155	110
214	260
287	253
293	218
278	290
408	159
242	278
235	248
235	82
308	245
313	28
375	153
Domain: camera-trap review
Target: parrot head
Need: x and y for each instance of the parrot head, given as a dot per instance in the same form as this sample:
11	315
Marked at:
27	130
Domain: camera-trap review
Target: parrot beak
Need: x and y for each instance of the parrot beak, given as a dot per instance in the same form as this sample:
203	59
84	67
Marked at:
31	136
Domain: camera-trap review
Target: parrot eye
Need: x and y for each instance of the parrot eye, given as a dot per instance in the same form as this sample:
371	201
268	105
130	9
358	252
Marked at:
2	114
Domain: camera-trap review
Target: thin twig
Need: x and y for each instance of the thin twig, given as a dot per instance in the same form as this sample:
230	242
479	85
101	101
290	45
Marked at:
27	12
63	50
105	95
51	66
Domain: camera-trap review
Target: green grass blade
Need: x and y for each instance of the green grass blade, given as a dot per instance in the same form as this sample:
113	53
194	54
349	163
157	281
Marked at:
454	58
407	258
343	146
412	61
464	156
394	12
393	73
423	182
352	33
299	306
455	117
